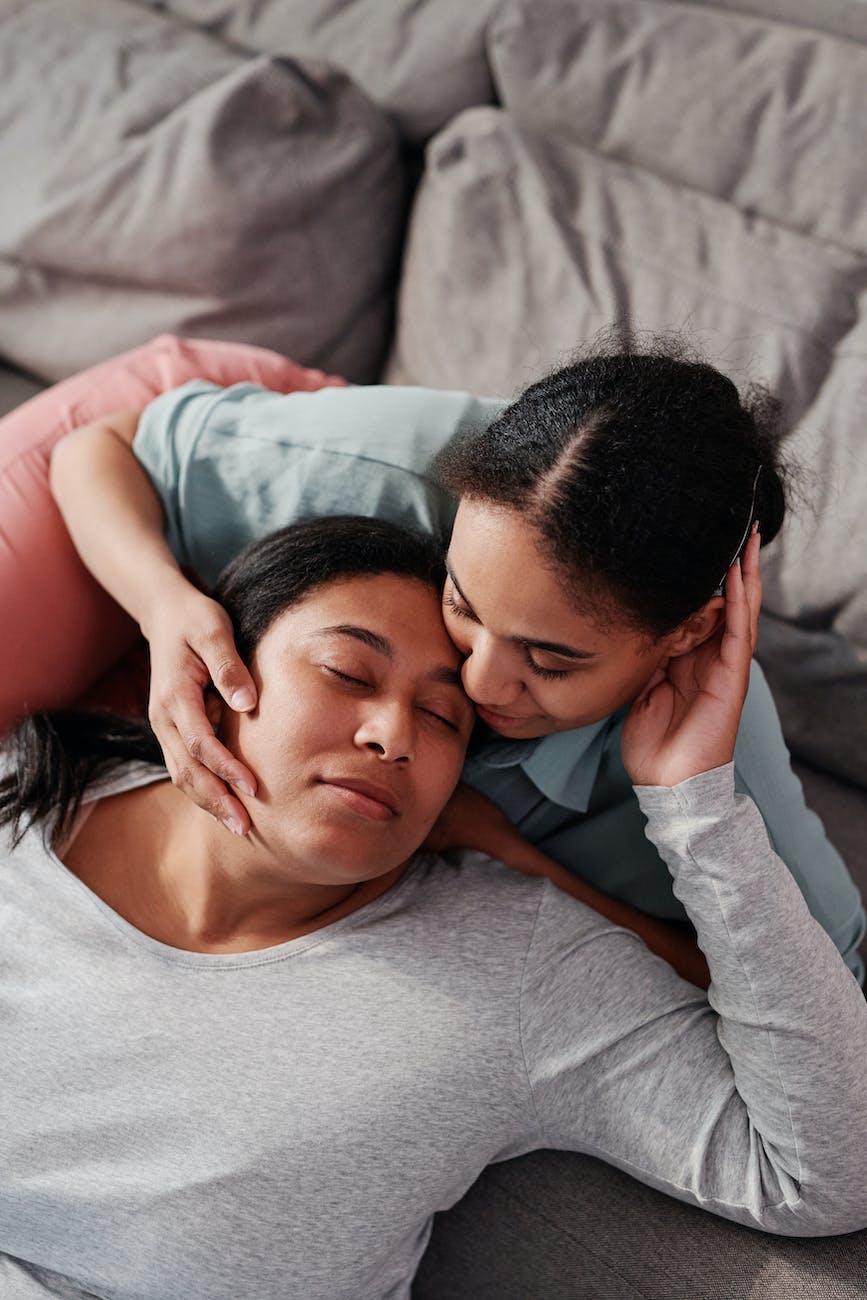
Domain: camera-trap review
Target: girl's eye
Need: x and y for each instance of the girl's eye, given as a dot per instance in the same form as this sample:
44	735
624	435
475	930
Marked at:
460	610
547	674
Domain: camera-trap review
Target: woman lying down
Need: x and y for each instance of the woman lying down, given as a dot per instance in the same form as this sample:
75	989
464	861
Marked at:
257	1066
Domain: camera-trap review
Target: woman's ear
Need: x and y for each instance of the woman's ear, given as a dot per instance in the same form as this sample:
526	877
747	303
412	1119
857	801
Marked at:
214	708
699	627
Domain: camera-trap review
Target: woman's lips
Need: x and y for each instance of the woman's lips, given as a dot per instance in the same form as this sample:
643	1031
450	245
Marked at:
364	797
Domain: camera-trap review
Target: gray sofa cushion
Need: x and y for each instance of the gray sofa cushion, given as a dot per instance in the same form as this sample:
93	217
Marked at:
839	17
820	575
157	180
521	246
769	116
16	388
557	1226
421	62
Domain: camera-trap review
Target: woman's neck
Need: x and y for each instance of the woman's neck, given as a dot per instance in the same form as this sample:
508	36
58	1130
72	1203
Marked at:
180	877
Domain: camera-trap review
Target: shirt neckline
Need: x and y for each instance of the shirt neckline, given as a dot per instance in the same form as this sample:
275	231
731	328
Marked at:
135	776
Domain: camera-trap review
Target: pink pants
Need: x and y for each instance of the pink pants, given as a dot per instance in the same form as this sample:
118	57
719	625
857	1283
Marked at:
59	631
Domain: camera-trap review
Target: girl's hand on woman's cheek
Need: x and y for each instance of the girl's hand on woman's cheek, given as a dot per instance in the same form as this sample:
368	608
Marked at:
191	648
686	719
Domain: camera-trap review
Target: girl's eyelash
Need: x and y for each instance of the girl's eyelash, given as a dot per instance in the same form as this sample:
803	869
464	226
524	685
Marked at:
456	608
547	674
439	717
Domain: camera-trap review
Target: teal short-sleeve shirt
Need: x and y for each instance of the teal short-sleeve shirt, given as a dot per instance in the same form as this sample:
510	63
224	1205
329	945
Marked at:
231	465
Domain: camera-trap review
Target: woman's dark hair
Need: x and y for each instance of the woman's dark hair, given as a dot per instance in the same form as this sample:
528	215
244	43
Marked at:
637	469
53	757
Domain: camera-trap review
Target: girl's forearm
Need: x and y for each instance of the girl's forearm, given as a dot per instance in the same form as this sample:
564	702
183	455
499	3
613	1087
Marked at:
113	514
668	940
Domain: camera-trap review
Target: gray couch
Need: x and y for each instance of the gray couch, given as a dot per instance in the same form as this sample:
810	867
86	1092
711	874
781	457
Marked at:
456	193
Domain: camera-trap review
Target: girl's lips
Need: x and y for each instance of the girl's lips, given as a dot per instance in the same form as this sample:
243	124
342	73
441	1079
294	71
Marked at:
499	721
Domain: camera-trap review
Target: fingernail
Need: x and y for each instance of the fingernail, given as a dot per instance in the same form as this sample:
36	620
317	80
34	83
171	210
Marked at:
245	787
757	527
234	826
243	699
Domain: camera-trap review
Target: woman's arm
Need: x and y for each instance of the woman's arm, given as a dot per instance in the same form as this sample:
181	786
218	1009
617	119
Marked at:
189	634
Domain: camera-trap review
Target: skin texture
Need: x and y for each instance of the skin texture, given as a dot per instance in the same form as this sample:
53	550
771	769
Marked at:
379	705
502	599
688	690
498	560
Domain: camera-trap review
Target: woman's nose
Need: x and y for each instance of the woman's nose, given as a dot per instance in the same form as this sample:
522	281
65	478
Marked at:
489	674
388	729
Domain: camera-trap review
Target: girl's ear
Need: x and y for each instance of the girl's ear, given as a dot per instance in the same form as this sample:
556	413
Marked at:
697	628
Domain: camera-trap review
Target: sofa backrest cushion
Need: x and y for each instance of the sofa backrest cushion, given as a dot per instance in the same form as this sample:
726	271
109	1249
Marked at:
521	247
154	179
422	62
769	116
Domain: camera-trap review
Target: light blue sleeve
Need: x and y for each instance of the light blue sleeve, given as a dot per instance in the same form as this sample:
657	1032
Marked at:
763	770
165	439
232	464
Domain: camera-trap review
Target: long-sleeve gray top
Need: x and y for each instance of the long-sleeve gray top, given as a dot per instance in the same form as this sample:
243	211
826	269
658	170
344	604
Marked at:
284	1123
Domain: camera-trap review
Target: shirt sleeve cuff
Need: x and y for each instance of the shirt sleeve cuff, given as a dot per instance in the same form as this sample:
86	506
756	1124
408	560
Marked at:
708	793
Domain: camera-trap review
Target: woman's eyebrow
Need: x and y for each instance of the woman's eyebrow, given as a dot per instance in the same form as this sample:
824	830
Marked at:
441	673
550	647
363	634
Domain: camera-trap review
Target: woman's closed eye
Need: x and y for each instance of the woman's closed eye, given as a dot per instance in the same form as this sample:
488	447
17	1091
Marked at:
346	677
439	715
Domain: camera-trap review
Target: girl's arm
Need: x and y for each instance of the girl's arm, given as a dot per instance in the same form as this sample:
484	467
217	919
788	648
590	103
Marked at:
752	1104
190	635
471	820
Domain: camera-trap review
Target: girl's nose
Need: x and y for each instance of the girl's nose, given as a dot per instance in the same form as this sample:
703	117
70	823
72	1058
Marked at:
489	675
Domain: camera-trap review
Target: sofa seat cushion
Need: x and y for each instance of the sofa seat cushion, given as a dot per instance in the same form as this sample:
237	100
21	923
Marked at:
155	179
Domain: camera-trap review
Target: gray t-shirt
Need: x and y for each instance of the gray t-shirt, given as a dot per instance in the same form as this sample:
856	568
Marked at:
282	1124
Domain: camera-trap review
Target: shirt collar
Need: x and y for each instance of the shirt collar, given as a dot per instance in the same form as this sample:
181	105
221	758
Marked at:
563	766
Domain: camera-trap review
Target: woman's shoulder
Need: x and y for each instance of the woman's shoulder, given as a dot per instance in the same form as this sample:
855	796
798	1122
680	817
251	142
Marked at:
123	777
469	894
116	780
